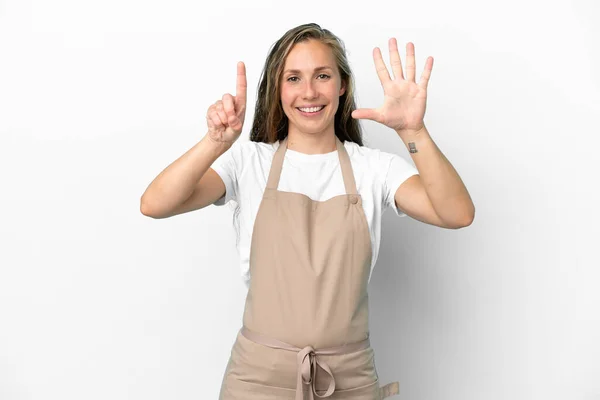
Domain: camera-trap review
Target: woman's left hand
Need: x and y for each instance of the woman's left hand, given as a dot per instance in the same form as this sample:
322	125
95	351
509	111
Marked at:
404	100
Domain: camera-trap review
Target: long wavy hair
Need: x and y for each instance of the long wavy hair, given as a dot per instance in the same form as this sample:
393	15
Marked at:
270	122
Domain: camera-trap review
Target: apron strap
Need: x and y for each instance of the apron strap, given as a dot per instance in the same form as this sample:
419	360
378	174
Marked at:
276	165
346	166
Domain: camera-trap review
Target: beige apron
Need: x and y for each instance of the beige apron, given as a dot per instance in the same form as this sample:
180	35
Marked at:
305	331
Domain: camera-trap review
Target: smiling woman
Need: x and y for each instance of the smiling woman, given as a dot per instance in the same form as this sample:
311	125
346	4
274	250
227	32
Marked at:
309	199
304	136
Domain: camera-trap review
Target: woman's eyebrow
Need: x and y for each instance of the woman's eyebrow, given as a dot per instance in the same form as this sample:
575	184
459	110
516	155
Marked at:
296	71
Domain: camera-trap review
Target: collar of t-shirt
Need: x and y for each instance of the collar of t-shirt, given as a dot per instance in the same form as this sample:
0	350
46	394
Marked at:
293	155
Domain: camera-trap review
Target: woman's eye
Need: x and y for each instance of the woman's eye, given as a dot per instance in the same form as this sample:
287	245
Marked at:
325	75
292	77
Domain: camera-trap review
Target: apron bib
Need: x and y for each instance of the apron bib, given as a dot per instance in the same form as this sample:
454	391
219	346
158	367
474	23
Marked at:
305	331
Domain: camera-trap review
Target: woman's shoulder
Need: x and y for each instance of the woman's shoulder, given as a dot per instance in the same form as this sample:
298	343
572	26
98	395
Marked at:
368	155
248	149
377	164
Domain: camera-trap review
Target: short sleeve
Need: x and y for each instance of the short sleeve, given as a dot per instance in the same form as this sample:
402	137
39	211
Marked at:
398	171
225	167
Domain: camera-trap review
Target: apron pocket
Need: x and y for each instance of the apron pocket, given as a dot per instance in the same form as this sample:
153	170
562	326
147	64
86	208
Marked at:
235	389
366	392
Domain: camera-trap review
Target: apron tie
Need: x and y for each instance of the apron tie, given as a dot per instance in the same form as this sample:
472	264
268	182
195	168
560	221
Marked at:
307	374
308	361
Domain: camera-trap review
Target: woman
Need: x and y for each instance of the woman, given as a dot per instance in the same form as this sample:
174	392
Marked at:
310	199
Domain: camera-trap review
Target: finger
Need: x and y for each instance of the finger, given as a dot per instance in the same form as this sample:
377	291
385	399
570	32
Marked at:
410	62
209	122
232	118
213	116
216	121
228	105
242	86
221	112
382	71
367	113
395	62
426	73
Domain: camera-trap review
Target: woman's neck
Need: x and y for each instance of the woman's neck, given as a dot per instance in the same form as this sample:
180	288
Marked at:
317	143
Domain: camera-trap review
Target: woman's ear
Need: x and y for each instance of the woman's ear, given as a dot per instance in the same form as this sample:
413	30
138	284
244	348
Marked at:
343	88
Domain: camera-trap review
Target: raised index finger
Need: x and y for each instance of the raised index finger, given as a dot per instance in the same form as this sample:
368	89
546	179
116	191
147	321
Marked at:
241	86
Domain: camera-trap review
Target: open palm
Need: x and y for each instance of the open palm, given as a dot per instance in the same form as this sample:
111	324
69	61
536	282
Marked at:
404	101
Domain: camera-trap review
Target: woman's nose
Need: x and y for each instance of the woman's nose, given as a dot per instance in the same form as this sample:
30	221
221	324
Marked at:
309	90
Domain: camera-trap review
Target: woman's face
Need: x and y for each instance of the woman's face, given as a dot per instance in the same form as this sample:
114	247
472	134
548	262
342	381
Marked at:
311	79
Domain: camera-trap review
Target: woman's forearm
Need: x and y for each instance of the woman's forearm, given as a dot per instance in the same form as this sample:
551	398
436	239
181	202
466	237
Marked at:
443	185
176	183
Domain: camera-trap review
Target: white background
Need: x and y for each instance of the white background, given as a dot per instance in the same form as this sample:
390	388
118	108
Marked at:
98	301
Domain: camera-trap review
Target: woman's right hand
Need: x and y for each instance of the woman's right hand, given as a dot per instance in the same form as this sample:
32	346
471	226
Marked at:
225	118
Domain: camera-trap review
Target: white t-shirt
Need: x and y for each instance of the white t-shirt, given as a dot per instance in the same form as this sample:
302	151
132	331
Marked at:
245	167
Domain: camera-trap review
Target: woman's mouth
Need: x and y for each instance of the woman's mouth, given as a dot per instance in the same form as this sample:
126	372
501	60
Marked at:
310	111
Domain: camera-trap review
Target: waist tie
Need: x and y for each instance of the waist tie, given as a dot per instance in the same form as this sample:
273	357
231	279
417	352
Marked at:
307	361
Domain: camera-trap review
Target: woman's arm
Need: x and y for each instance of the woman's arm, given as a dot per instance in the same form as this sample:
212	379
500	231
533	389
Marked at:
437	195
187	184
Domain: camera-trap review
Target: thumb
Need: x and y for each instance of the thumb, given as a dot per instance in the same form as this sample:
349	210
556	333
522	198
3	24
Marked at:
366	113
235	122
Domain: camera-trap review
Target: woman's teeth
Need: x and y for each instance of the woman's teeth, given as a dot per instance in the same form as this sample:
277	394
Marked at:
311	109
